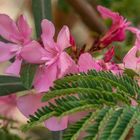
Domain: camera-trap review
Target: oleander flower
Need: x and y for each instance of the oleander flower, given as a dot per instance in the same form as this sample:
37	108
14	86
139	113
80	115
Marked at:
18	36
117	30
55	62
87	62
132	59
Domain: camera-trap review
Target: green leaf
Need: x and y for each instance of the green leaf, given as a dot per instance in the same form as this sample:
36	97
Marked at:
9	85
74	131
115	125
41	10
27	75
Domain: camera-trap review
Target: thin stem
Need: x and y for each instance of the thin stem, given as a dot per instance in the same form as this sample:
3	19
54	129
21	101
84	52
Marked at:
57	135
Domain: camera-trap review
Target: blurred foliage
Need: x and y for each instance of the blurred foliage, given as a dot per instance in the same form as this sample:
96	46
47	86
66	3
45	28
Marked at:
6	135
63	5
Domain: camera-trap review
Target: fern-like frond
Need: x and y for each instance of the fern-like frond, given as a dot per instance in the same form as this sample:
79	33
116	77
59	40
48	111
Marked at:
101	81
62	107
120	81
115	125
73	132
102	93
136	133
41	115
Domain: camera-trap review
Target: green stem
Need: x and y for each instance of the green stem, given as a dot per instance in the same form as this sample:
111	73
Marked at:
57	135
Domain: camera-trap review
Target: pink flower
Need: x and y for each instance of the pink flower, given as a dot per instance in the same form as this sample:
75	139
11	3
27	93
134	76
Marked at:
134	103
118	27
131	60
114	68
55	62
19	36
7	105
28	105
86	62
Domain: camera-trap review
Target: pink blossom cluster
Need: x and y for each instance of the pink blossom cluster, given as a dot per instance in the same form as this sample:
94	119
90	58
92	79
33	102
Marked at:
53	60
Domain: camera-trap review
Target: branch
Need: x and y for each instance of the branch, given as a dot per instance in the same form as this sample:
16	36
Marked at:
88	15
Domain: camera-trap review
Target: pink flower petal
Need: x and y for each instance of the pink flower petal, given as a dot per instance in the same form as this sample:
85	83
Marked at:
14	68
134	103
86	62
137	32
117	29
24	28
73	69
48	32
7	105
63	39
28	104
130	60
55	124
8	29
7	51
133	29
65	63
33	52
114	68
45	77
72	41
106	13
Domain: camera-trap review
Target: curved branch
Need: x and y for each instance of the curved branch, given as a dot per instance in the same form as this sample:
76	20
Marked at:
88	15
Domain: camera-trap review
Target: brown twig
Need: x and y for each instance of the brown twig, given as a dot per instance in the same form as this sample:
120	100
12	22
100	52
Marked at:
88	15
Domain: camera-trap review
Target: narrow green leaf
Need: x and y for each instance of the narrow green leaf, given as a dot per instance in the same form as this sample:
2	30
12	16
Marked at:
27	75
9	85
41	10
57	135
